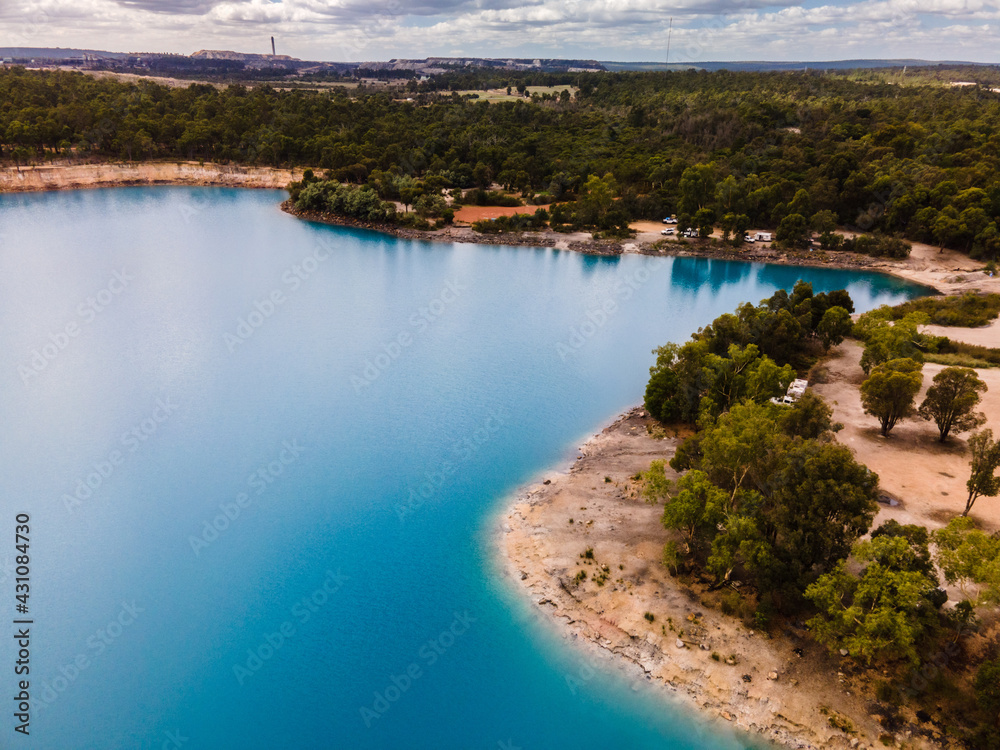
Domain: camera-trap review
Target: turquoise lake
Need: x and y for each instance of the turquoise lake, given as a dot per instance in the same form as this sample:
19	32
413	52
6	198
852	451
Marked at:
263	462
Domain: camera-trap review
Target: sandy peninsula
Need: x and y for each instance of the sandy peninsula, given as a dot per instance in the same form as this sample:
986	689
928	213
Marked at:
760	684
784	688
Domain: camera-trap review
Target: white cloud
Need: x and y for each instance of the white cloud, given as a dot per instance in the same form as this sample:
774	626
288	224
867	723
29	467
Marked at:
601	29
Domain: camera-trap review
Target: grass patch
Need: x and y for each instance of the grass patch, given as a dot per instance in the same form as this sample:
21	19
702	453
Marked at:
603	573
967	311
957	360
960	354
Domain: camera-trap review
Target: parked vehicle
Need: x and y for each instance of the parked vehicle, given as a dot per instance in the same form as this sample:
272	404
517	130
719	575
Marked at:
794	393
670	220
668	231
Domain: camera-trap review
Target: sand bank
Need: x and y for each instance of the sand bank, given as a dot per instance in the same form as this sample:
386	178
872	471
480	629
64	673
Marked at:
74	176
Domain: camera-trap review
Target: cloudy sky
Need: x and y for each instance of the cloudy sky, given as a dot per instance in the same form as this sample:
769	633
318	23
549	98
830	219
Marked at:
349	30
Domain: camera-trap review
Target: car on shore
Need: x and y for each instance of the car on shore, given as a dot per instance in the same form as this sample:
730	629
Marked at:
670	220
666	232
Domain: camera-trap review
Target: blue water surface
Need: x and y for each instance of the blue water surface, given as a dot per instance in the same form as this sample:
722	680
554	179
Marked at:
263	461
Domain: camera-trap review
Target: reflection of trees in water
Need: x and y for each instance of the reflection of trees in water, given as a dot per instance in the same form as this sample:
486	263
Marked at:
592	263
698	273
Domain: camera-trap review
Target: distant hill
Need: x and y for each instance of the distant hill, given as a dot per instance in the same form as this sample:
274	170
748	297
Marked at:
764	65
57	53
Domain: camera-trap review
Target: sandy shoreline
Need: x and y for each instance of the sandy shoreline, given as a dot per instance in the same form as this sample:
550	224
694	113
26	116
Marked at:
788	699
78	176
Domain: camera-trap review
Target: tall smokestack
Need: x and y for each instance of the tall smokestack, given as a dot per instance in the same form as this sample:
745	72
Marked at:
272	47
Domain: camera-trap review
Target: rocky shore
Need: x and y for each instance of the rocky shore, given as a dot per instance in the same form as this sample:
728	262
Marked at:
588	549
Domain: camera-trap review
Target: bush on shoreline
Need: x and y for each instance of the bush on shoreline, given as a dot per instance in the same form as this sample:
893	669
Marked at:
877	246
348	200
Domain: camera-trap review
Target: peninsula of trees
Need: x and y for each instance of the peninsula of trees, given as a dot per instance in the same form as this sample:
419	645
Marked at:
769	502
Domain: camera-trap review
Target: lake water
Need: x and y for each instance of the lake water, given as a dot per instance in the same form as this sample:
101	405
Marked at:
263	461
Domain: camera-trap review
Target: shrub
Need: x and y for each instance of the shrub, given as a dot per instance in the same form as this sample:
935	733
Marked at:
347	200
968	310
480	197
878	246
957	353
516	223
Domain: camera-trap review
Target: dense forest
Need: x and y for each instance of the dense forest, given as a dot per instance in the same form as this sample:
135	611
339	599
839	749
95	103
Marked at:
807	150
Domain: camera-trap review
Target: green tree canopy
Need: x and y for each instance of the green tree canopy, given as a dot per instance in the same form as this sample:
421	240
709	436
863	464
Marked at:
881	614
983	464
834	326
952	399
889	392
969	557
885	339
